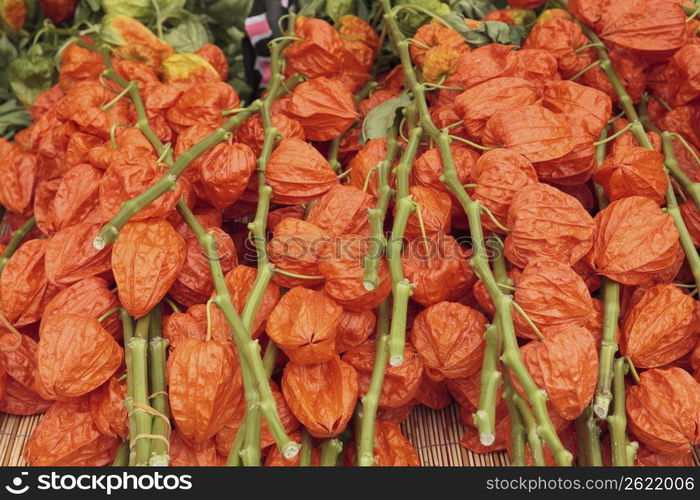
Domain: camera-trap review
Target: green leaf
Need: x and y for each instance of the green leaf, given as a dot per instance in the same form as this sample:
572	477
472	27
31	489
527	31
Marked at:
380	118
138	9
13	117
338	8
411	19
189	35
7	54
31	75
472	9
227	12
488	32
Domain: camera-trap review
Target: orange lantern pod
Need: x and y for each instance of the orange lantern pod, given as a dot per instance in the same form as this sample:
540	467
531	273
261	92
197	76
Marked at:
17	177
67	437
71	256
225	172
340	264
391	448
20	362
202	103
438	269
204	387
89	298
549	223
633	171
134	41
216	57
532	131
225	437
353	329
75	356
354	28
652	27
274	217
239	282
146	261
433	394
499	174
44	195
77	197
295	248
193	324
565	365
342	210
252	132
583	107
433	35
485	63
363	171
561	37
135	70
435	208
662	410
24	288
158	99
194	284
323	107
107	408
441	61
574	168
479	103
551	294
636	223
428	168
691	217
21	400
649	458
322	396
449	339
276	459
131	145
188	68
676	82
660	327
207	217
400	382
126	179
83	105
320	51
303	324
298	173
77	65
397	415
203	454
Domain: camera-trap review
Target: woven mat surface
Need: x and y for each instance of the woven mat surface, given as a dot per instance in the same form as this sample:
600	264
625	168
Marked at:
435	434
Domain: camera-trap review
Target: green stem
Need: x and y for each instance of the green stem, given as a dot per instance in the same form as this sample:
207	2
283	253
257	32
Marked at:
377	214
603	141
517	429
620	446
139	356
600	152
400	287
121	459
588	435
608	348
530	424
691	253
307	445
248	349
128	329
670	162
370	401
491	380
157	351
15	241
502	302
330	450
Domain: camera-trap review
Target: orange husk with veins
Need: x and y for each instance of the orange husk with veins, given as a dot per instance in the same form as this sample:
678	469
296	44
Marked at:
303	324
449	340
551	294
662	410
660	327
322	396
634	241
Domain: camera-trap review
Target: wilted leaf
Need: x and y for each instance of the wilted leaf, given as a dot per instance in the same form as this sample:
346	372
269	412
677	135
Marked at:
338	8
473	9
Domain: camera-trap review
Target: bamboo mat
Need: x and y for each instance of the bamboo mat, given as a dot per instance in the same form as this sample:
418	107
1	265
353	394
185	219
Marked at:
435	435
